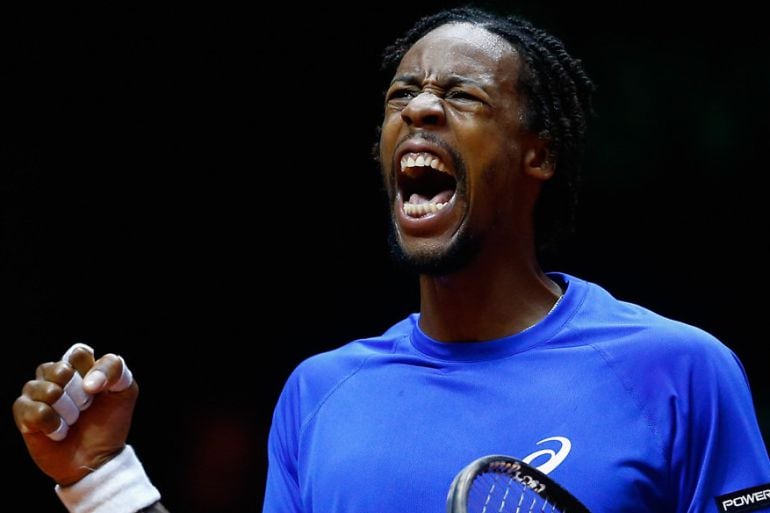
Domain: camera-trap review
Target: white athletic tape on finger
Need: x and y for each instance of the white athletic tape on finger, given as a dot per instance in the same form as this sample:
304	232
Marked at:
66	409
74	346
60	433
126	378
79	396
73	400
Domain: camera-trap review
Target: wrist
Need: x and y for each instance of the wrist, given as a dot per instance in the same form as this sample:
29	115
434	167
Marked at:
84	470
119	485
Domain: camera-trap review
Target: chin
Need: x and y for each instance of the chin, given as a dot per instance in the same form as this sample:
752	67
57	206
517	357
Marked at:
436	261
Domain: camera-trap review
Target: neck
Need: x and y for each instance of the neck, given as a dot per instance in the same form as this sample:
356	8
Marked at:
491	298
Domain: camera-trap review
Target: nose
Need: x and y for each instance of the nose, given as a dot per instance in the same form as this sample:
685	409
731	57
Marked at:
425	109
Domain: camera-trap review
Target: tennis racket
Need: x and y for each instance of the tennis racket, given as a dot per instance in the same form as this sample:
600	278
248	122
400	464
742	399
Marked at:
503	484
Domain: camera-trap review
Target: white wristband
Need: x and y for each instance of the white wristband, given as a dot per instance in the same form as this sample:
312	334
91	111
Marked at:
118	486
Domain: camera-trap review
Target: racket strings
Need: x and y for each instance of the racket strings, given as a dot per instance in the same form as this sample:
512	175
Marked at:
496	492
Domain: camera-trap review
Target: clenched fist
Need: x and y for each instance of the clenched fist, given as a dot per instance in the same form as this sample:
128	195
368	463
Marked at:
76	414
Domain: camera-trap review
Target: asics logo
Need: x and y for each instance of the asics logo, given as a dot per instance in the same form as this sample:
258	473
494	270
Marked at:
555	457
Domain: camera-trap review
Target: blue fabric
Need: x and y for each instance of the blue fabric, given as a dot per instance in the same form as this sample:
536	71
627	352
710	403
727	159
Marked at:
636	412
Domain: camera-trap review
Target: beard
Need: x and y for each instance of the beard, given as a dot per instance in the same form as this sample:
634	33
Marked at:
452	258
463	247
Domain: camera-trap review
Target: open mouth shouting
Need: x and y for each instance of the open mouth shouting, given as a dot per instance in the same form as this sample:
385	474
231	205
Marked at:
426	188
425	184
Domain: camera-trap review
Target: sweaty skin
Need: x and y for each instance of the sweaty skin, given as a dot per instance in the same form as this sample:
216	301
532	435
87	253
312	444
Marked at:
101	430
455	97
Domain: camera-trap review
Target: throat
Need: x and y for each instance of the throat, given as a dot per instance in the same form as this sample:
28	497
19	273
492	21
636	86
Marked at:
472	314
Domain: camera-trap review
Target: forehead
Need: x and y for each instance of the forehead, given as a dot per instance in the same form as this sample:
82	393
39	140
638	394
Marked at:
461	49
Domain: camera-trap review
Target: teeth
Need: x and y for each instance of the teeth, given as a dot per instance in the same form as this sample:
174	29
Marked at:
422	160
421	209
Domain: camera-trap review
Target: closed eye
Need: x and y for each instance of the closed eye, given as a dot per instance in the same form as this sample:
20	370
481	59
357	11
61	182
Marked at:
401	93
458	94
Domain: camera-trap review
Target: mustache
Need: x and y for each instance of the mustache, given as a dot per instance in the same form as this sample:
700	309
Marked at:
457	162
434	139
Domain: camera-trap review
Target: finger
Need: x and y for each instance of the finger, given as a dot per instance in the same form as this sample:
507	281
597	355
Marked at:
59	433
62	374
55	372
54	401
80	356
35	416
125	380
55	396
67	409
109	372
44	405
75	391
42	391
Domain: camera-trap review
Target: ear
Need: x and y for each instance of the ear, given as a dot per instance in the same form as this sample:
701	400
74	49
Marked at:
538	162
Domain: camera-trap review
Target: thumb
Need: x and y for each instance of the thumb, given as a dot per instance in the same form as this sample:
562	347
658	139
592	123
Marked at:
110	373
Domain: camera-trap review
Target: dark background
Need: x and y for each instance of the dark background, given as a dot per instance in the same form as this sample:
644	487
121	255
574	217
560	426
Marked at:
192	188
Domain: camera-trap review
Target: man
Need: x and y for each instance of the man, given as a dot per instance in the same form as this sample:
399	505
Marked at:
629	411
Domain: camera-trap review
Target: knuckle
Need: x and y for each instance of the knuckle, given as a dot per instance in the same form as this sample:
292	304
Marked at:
80	356
32	415
19	405
50	392
41	369
40	413
28	390
60	372
29	387
39	390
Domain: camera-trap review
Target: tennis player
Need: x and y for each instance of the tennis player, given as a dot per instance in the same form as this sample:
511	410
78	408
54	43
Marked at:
480	148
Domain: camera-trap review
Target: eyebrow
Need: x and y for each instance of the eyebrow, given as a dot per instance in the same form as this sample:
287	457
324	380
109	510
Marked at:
450	81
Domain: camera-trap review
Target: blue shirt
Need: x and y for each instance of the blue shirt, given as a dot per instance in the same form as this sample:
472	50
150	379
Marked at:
628	410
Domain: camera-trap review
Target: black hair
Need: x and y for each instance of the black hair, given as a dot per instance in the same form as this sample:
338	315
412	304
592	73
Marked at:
558	104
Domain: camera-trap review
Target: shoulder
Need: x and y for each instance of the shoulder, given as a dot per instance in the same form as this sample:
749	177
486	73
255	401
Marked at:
321	373
645	343
686	386
349	356
603	313
316	379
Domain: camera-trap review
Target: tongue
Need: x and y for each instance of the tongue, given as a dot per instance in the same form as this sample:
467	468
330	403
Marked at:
441	197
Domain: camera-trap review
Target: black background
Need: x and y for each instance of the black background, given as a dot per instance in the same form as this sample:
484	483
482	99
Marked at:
192	188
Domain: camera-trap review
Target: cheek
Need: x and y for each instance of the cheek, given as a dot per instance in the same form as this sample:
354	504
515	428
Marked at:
490	157
389	134
391	124
493	163
386	147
